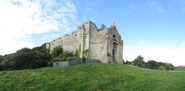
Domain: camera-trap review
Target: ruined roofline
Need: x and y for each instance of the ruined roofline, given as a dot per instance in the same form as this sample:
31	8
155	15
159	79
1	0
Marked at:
89	22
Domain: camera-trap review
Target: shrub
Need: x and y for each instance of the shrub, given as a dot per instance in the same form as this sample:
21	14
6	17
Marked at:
162	68
139	62
114	39
68	59
152	64
57	59
85	52
169	66
70	54
57	51
128	62
76	53
1	58
26	59
108	54
63	58
79	50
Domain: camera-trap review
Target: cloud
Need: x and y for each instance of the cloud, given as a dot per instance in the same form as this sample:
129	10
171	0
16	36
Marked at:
132	7
19	19
180	4
154	5
88	8
182	47
89	14
141	41
160	54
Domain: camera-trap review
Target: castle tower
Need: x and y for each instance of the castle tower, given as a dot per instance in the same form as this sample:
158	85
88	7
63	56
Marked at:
105	46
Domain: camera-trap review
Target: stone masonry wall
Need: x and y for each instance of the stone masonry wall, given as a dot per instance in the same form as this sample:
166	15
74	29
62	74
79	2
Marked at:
97	43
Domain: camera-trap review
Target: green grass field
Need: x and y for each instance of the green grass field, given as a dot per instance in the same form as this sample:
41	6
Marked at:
92	76
179	69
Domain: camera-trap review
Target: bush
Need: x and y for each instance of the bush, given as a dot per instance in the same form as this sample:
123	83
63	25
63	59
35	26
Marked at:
79	50
114	39
64	56
128	62
139	62
108	54
57	59
68	59
152	64
57	51
169	66
1	58
1	68
162	68
26	59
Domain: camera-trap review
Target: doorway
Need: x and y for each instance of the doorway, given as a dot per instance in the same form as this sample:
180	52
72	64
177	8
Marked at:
113	55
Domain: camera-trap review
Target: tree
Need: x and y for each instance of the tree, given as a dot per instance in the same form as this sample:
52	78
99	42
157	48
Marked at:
128	62
169	66
26	58
152	64
1	58
139	61
162	68
102	27
57	51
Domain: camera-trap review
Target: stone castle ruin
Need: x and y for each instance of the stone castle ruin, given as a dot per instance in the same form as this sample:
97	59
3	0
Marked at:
93	44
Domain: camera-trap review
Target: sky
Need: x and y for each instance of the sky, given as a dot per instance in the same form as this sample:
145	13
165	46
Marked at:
154	29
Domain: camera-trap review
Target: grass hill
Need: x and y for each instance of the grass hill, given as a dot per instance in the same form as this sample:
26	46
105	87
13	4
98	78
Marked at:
92	76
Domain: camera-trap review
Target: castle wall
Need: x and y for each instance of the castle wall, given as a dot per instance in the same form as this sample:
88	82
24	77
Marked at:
97	43
69	42
114	43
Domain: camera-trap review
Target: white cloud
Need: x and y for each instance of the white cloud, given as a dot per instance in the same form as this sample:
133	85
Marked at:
141	41
154	5
89	14
162	54
21	18
182	47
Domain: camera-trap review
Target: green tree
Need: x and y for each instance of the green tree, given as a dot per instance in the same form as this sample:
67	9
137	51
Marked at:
57	51
139	61
152	64
128	62
26	59
161	64
1	58
162	68
169	66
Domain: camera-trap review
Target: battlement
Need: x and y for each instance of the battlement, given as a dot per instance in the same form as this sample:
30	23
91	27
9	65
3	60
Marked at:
90	38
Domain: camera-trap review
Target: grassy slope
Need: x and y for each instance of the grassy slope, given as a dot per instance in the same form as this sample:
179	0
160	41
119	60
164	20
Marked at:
179	69
92	77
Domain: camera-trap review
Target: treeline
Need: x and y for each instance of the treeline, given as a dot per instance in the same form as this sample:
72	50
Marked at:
26	58
151	64
58	54
37	57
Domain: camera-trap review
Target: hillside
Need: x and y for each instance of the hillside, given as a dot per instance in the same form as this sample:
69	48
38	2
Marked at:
92	76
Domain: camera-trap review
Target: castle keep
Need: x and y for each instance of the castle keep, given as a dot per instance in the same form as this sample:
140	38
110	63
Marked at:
93	44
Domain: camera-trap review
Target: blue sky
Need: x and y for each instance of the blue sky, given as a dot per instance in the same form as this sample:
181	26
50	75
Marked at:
154	29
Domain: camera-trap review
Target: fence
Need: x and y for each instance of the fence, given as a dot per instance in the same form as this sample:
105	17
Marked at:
74	62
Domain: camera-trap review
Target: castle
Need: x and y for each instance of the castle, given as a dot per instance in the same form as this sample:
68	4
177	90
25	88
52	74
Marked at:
93	44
